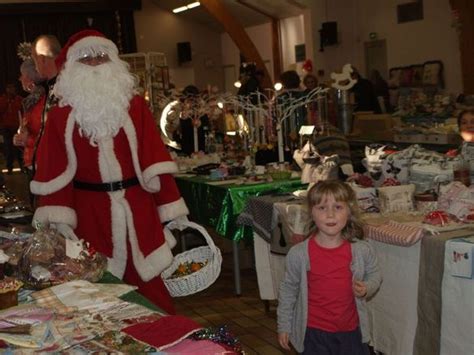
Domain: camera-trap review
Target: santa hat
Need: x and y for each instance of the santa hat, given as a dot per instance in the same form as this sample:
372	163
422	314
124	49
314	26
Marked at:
84	42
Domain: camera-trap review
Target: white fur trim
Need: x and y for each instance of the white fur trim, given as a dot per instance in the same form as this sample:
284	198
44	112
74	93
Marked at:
60	181
110	170
131	134
85	43
153	264
173	210
169	237
150	175
56	214
117	264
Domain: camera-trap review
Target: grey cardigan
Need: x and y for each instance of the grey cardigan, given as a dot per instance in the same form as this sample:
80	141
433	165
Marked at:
292	309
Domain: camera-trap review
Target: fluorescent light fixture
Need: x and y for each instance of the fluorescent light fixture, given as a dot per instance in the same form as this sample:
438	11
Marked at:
231	133
14	170
186	7
180	9
193	4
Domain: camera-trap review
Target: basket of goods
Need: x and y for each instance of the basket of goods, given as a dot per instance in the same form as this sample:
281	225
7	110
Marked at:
193	270
50	259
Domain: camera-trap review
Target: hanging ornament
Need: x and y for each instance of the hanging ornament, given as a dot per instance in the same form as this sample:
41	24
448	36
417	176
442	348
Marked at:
24	50
308	66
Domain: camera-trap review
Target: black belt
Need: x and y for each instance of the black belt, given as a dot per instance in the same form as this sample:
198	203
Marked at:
107	186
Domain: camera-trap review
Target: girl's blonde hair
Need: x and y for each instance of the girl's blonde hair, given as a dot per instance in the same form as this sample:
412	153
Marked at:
342	193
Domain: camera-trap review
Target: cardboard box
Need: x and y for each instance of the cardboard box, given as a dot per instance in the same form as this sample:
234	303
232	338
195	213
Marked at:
373	126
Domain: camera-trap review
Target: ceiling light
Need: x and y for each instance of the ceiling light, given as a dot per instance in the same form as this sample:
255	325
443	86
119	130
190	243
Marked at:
180	9
193	4
187	7
278	86
238	84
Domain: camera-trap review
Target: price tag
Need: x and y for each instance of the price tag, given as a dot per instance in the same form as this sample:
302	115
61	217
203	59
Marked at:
74	248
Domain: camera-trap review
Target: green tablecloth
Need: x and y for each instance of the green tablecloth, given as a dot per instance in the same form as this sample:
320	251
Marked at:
218	206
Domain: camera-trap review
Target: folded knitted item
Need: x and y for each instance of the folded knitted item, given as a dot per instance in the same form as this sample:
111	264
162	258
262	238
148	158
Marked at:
164	332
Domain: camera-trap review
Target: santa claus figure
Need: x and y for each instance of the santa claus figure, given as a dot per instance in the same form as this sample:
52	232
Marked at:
103	173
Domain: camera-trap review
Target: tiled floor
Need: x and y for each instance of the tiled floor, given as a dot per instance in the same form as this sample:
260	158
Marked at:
245	315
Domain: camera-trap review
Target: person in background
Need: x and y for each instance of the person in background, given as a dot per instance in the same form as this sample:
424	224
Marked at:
381	90
310	83
44	51
32	106
103	173
321	305
10	114
466	130
364	94
188	121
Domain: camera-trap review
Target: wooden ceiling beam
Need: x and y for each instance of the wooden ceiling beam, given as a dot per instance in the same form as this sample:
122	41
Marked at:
275	33
236	31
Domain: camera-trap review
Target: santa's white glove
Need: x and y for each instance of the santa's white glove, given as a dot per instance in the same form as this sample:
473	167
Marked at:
65	230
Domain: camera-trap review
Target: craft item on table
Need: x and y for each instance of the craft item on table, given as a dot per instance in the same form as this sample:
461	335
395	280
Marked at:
279	171
391	182
220	335
50	259
454	191
200	279
361	180
463	210
437	218
396	198
113	342
374	155
319	167
9	292
292	218
394	233
366	198
77	295
426	202
460	256
428	170
35	317
164	332
396	166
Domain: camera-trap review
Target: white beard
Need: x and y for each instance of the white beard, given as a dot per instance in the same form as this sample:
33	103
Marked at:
99	96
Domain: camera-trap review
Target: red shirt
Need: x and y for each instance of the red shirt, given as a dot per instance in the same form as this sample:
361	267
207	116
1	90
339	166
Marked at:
331	300
9	111
33	125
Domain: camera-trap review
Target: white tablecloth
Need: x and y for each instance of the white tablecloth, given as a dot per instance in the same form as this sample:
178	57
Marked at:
392	312
457	320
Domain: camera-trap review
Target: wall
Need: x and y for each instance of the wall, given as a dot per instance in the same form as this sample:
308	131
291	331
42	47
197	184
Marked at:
292	32
409	43
261	38
158	30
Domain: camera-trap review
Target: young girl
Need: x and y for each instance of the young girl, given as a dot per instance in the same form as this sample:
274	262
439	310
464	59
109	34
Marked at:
321	306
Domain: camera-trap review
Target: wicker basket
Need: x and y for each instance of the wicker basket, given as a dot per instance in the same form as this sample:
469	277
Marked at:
198	280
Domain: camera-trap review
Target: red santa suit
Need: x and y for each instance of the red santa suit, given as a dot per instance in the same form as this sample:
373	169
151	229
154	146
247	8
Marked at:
127	224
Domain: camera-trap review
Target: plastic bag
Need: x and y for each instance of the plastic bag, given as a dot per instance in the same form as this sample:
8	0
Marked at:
45	262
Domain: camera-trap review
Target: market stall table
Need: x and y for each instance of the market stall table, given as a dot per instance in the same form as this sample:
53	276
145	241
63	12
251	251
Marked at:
217	204
406	313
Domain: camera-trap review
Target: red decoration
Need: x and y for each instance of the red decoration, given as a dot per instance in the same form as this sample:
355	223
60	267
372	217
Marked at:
308	66
437	218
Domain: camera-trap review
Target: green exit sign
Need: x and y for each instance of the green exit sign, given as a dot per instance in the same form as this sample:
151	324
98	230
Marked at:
373	35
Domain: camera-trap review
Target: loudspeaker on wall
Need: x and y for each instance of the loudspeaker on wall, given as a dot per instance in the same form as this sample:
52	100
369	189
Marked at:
184	52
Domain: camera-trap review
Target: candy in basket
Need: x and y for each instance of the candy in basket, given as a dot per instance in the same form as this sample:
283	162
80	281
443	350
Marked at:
193	270
50	259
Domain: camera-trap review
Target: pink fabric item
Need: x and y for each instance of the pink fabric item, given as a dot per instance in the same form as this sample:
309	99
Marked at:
164	332
200	347
394	233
